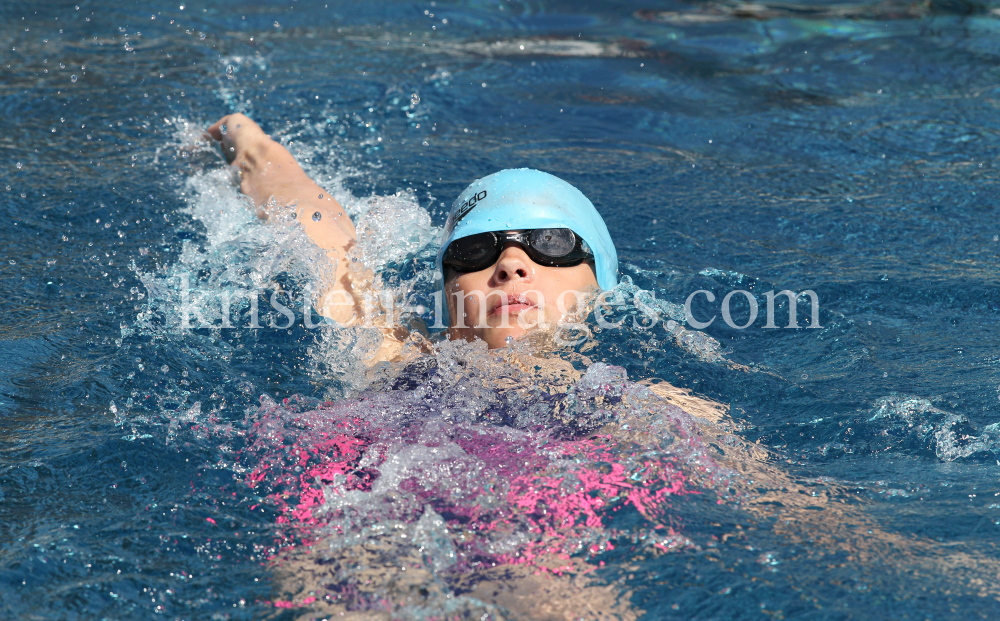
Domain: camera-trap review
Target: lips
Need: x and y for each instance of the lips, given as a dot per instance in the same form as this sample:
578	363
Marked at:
510	304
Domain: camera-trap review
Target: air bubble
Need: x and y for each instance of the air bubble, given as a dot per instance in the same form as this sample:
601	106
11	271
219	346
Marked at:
231	72
414	99
72	78
317	216
128	47
19	165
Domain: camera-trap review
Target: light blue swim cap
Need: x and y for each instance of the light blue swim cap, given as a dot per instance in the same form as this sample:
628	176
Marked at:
523	198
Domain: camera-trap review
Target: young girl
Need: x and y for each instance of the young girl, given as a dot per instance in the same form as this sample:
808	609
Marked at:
522	251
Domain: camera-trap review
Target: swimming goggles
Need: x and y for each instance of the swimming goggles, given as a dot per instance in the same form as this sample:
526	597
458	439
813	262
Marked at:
549	247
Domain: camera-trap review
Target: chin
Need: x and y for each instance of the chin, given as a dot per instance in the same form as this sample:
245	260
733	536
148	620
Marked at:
497	337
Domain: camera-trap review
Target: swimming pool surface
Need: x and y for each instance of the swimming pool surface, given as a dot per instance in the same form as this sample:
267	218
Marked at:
152	471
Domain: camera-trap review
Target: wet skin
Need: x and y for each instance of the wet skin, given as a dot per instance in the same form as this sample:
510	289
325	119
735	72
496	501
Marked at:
514	296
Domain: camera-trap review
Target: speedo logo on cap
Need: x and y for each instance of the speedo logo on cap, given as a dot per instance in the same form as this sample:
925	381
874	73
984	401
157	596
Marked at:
468	205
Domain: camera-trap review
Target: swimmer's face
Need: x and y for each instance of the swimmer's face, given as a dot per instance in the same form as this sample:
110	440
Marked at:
513	296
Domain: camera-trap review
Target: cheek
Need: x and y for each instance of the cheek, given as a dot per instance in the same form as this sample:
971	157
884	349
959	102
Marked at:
459	287
565	287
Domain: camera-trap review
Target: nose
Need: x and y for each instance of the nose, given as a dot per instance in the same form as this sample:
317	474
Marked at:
512	265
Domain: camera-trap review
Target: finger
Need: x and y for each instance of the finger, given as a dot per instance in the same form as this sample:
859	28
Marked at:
215	131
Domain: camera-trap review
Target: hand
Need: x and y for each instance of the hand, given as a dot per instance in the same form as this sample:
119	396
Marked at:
239	136
266	169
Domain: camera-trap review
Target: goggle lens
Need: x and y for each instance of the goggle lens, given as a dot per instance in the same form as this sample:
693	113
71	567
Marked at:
472	250
553	242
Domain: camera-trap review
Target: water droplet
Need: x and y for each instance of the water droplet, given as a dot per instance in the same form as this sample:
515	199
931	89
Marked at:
321	196
509	340
19	165
128	47
414	99
805	376
164	369
231	72
277	25
317	216
72	78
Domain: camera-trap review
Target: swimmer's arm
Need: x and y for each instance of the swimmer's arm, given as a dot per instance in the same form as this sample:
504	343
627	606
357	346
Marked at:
711	411
267	170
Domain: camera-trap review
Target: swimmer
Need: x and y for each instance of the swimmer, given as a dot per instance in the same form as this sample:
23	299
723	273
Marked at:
516	243
523	252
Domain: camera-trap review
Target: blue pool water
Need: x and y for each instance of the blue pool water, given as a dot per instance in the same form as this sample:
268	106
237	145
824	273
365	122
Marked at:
848	149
